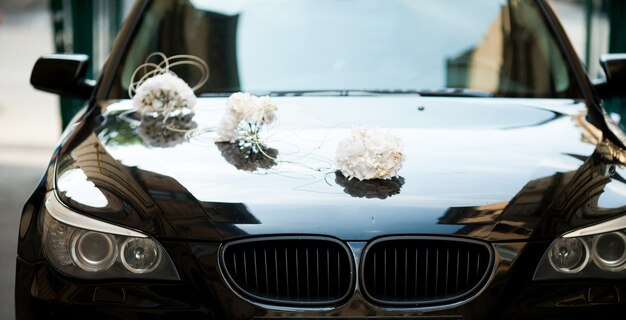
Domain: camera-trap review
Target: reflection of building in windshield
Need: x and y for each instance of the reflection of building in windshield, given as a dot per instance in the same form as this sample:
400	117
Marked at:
479	67
512	58
221	57
213	38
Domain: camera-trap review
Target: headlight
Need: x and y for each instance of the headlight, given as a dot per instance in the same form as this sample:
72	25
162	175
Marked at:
609	251
93	251
86	248
568	255
596	252
140	255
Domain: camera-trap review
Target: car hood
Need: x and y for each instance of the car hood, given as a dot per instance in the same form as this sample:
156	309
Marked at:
493	169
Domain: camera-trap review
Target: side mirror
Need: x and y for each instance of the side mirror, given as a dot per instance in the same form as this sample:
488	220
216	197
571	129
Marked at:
614	66
63	74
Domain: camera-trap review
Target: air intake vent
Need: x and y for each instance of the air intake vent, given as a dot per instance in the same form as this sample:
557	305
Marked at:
290	270
424	271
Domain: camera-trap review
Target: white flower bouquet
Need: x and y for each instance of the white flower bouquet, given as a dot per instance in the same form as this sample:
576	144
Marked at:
162	94
370	154
157	91
245	116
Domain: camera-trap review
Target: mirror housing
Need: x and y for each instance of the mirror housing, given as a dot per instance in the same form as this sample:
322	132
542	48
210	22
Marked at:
63	74
614	66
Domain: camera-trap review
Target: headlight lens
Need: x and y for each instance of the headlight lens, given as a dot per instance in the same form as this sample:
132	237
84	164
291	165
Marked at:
93	251
140	255
585	256
568	255
93	254
609	251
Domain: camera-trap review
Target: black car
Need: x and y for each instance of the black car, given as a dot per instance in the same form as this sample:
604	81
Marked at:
412	159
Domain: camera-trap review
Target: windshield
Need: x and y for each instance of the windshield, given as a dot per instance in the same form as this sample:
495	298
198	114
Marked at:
502	48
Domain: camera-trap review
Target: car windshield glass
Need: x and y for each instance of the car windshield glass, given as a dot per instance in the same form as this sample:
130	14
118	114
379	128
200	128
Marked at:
489	47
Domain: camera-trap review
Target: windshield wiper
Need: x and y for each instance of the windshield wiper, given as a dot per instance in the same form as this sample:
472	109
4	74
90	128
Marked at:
219	94
456	92
341	93
446	92
298	93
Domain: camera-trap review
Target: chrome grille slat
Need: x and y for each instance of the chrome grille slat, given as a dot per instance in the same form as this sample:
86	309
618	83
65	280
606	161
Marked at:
426	277
308	292
256	275
456	283
287	273
317	262
245	266
447	269
468	267
289	270
416	276
327	271
477	264
276	269
424	270
406	269
436	271
267	286
297	273
385	271
395	271
338	269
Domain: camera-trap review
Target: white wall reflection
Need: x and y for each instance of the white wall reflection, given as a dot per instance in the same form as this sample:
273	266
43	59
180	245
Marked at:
76	186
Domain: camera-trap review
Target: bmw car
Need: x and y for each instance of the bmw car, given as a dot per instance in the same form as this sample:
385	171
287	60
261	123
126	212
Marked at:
507	198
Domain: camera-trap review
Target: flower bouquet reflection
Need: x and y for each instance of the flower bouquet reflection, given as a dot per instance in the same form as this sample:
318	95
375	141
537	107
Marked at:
371	188
158	131
248	156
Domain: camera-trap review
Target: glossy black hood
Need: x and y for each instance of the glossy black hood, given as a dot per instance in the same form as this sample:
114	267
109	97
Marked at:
497	169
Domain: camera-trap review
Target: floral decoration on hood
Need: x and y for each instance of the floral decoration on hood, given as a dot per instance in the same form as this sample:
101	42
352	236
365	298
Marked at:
370	154
159	91
244	118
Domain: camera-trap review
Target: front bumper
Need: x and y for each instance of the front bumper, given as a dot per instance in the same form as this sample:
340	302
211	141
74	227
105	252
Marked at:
202	293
